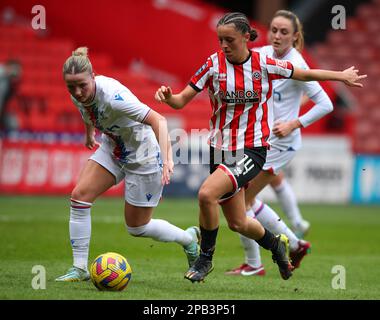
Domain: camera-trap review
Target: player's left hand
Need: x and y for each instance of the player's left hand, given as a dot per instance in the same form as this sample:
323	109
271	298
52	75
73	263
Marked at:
351	77
167	171
171	166
163	94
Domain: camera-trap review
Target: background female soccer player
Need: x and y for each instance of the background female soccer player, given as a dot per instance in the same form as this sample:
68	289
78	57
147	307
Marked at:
286	43
239	83
134	148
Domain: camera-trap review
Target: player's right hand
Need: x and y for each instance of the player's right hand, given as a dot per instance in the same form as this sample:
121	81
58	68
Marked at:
91	143
163	94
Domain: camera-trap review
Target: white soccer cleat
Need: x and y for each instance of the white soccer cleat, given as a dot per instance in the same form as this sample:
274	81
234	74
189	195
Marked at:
74	274
192	250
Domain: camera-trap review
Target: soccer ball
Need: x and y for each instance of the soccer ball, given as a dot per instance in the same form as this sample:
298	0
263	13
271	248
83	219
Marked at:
110	272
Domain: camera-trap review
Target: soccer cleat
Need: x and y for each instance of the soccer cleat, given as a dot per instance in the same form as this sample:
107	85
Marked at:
250	271
74	274
246	270
296	256
201	268
301	229
192	249
280	255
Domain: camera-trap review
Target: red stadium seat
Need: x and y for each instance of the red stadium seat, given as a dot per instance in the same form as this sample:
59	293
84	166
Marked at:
354	25
359	47
368	11
336	38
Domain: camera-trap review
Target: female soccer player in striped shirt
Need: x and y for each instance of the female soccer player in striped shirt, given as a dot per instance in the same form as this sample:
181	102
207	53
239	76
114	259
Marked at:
286	43
239	83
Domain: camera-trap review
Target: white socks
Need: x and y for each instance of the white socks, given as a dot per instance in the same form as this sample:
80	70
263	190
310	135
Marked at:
251	248
288	203
161	230
80	232
271	221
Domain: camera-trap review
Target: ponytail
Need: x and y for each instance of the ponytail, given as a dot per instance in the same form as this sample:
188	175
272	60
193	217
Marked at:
78	62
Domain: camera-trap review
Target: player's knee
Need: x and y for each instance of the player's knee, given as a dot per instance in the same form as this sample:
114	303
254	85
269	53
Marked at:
81	195
205	196
77	193
236	226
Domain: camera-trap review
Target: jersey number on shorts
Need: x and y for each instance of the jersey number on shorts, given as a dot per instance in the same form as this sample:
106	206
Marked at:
244	166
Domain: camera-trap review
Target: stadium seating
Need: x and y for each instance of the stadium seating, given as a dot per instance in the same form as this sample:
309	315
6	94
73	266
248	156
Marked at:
359	46
42	94
43	104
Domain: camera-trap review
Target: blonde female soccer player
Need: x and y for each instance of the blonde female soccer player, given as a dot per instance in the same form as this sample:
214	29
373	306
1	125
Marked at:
134	147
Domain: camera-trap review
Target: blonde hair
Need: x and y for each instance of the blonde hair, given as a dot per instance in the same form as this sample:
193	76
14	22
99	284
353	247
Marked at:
297	26
78	62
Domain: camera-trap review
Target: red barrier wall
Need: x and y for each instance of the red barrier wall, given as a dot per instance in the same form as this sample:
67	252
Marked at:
36	168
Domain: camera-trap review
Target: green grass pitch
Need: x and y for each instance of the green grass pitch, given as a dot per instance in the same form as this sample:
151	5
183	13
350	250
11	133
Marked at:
34	231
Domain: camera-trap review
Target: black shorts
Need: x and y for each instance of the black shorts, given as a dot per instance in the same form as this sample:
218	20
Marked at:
240	165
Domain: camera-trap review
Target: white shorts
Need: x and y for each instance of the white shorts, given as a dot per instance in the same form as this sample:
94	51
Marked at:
278	159
141	190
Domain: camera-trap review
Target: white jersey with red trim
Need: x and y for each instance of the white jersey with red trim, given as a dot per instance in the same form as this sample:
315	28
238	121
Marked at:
118	114
241	98
287	95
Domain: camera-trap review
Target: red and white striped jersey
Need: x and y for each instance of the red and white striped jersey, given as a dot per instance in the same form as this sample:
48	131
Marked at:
241	98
